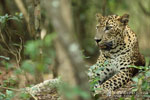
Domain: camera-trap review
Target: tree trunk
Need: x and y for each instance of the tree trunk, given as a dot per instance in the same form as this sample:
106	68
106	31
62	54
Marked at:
67	46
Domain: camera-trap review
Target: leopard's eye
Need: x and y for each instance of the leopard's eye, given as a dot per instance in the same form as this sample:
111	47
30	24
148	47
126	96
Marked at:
108	28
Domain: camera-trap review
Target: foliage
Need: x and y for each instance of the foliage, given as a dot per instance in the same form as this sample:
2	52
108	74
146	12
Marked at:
10	94
38	54
93	71
142	83
41	54
4	19
3	57
71	92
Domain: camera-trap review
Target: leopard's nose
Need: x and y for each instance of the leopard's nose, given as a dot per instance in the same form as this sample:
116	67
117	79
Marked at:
97	40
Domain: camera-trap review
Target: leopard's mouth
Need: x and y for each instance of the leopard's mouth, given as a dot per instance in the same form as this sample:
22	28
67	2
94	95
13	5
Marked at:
106	45
102	46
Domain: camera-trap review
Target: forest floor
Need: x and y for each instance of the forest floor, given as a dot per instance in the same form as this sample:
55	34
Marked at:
9	80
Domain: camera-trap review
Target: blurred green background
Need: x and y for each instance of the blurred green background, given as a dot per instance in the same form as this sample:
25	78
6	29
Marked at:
83	12
28	49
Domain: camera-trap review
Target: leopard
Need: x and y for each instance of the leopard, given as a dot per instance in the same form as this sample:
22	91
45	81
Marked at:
118	51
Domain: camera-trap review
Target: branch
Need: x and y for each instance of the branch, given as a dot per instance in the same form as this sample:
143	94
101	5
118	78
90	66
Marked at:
22	9
59	12
7	88
46	90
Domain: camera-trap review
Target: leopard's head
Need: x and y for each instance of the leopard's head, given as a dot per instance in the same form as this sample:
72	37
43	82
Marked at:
110	31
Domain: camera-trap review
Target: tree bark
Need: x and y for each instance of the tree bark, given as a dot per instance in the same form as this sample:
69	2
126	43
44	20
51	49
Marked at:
72	67
60	15
46	90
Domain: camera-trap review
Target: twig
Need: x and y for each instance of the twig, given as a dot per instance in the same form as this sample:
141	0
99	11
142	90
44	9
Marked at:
18	56
16	53
18	90
22	9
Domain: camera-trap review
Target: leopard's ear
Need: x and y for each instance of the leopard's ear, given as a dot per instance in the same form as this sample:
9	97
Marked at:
99	17
124	19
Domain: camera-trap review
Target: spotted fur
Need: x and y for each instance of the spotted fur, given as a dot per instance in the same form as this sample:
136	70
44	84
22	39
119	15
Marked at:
119	48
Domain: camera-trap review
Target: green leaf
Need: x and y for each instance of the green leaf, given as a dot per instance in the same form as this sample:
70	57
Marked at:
134	85
15	44
18	71
147	95
49	38
134	90
9	94
2	96
33	48
84	94
28	66
147	74
8	65
14	18
98	70
6	58
135	79
145	85
98	89
137	67
105	63
24	96
121	98
0	72
93	67
132	98
19	15
3	19
72	91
